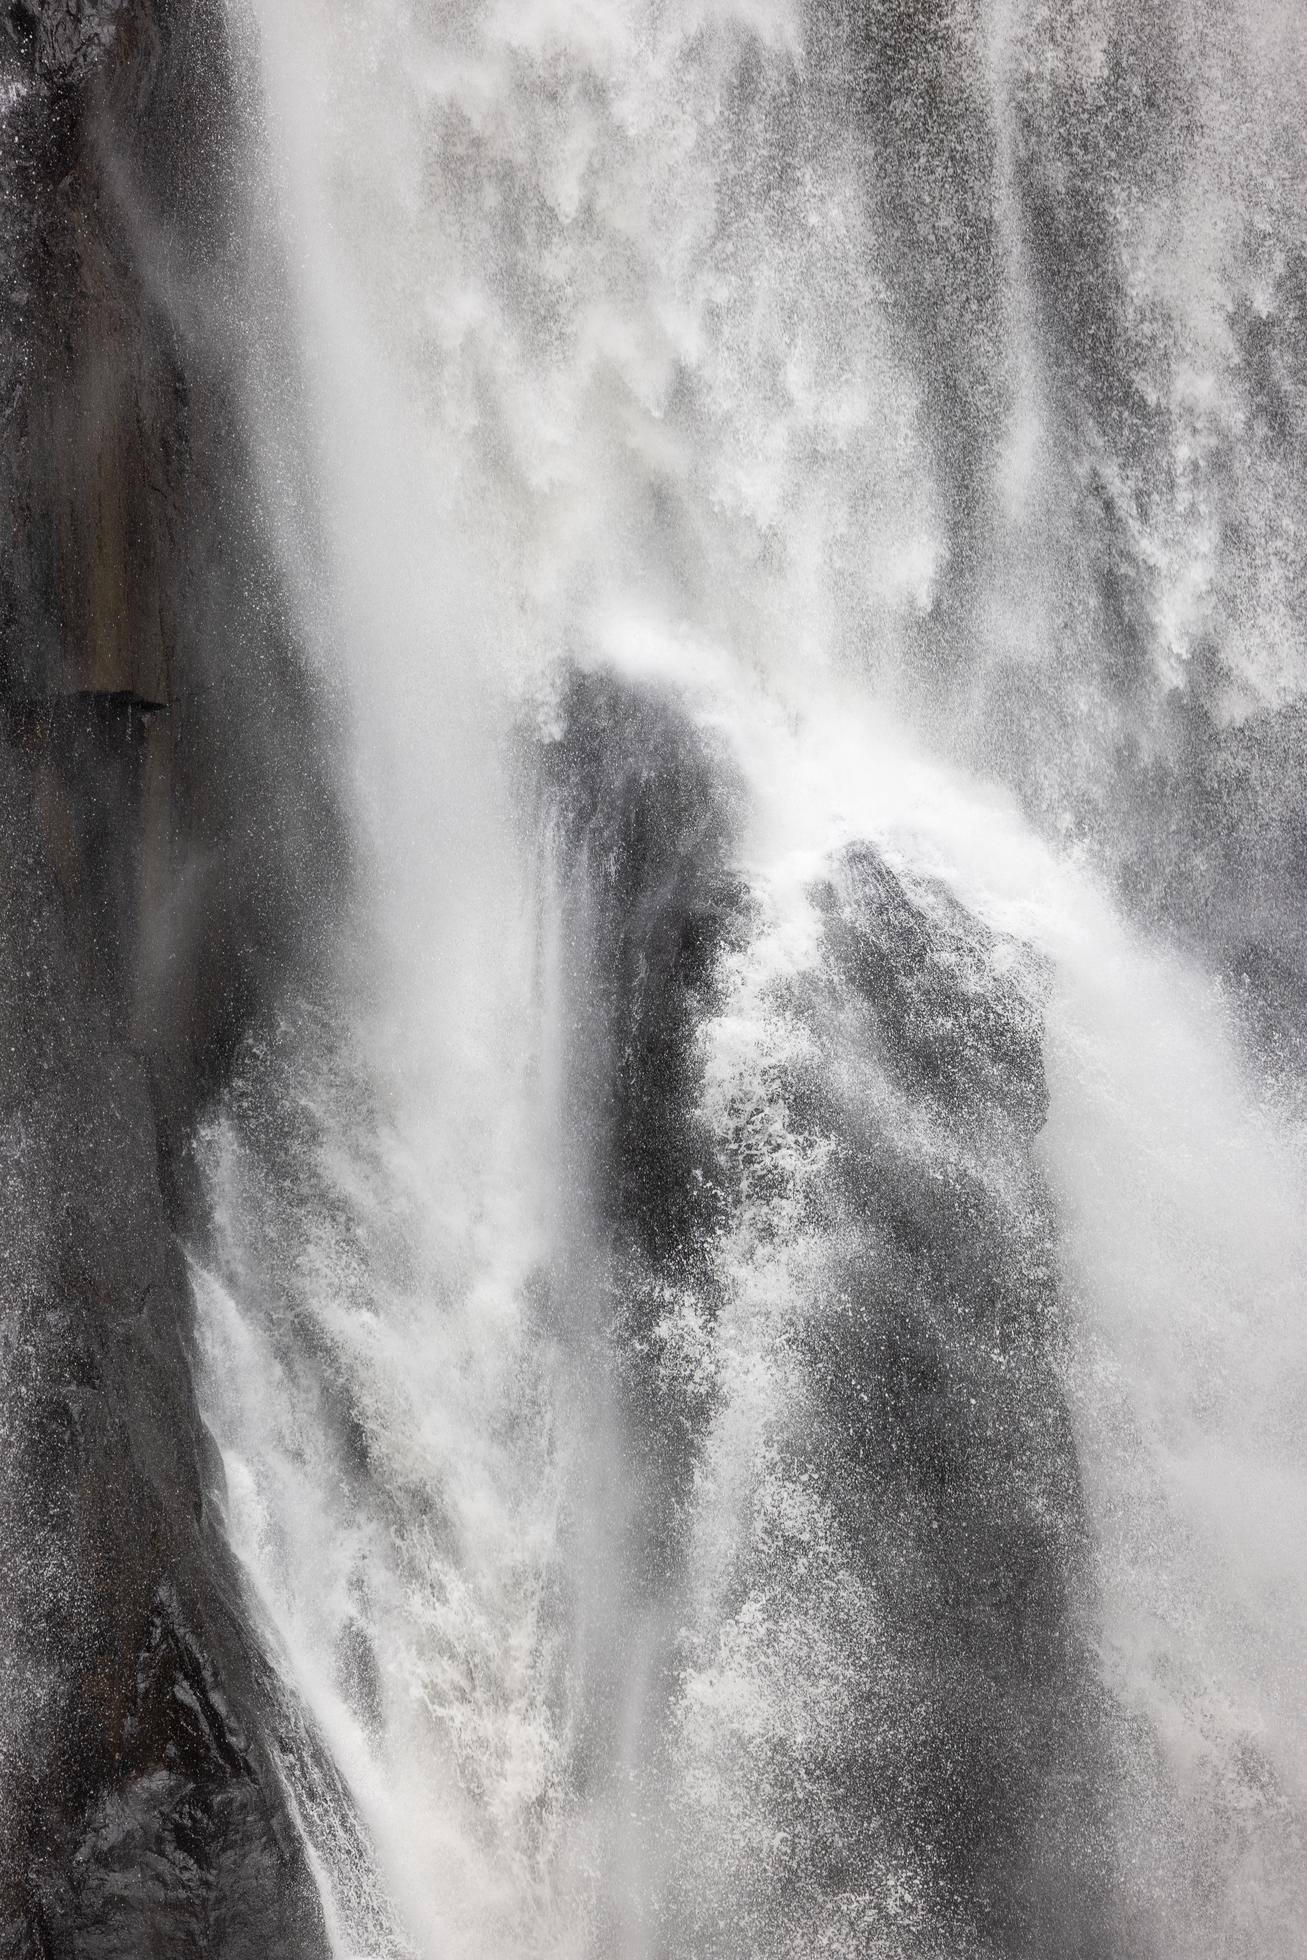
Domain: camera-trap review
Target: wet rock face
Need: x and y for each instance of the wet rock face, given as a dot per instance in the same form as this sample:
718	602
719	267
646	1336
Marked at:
639	820
169	847
137	580
67	37
143	1806
945	1783
974	1754
644	821
946	1443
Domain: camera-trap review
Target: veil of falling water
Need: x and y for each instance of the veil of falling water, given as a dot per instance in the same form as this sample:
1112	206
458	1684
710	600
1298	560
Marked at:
775	468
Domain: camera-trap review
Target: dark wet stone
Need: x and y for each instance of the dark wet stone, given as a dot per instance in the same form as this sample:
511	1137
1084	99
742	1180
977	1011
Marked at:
937	1435
168	840
946	1446
644	818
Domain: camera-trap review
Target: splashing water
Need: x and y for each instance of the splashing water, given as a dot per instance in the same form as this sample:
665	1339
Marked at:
704	569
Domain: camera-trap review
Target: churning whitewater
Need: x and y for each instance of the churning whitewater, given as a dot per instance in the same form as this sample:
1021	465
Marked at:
754	1319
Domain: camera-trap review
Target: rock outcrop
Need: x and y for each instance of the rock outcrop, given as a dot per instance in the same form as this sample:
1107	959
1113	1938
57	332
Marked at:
169	845
923	1418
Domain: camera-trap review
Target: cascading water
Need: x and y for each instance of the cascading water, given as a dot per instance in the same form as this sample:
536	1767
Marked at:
754	1324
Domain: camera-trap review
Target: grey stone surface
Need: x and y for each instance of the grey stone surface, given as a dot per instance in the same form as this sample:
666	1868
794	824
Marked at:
167	834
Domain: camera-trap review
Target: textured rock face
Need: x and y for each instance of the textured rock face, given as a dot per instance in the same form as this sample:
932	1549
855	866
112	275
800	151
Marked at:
160	780
975	1750
640	829
144	1813
644	820
946	1436
68	38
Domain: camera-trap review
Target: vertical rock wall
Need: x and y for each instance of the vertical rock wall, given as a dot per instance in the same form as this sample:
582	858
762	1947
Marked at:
169	842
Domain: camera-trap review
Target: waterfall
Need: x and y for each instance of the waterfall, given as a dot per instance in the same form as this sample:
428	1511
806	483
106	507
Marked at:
753	1317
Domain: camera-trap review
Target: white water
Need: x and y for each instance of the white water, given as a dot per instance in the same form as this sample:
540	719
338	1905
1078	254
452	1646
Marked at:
598	368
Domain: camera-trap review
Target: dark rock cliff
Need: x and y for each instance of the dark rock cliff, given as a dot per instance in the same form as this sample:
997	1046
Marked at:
976	1752
638	820
947	1444
169	840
